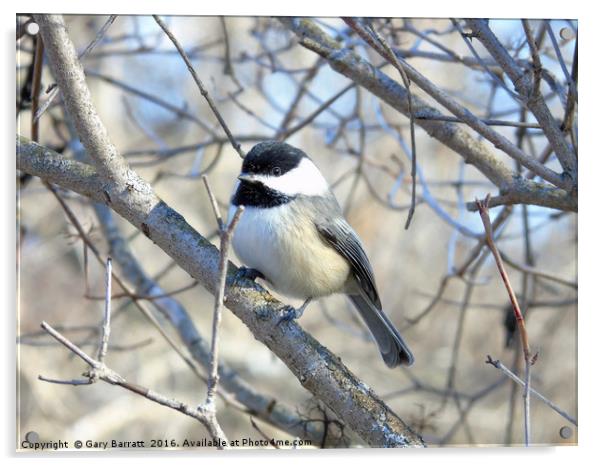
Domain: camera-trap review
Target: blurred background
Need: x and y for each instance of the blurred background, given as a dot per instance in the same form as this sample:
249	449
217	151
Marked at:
266	85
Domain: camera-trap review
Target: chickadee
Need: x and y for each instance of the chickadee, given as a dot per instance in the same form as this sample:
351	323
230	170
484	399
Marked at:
293	235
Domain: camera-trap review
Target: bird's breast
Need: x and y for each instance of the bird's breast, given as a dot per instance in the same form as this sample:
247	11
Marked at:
285	246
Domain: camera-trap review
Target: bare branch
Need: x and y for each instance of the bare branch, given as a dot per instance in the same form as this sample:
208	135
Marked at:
199	83
474	152
226	232
101	372
512	376
318	370
55	90
523	84
483	207
36	86
106	326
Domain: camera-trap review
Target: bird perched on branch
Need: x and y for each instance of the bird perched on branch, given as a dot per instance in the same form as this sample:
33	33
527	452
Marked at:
293	235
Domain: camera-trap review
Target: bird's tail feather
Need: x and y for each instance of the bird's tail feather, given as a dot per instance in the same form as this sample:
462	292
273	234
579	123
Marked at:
393	349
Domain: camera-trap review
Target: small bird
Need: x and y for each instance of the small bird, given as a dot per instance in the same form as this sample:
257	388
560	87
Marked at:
292	234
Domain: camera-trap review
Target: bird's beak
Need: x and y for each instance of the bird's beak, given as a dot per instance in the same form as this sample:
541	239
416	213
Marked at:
247	177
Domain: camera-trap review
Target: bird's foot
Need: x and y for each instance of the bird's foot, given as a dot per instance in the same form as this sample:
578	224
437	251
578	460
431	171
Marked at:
246	273
290	313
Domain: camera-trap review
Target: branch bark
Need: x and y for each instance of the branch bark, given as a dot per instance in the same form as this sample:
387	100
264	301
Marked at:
529	359
99	371
316	368
524	85
71	80
263	406
116	185
513	188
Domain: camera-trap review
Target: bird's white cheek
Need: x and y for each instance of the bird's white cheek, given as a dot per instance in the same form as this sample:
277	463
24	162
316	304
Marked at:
305	179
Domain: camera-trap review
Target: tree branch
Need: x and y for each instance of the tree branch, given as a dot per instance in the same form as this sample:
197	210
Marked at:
529	359
534	100
199	83
226	230
101	372
318	370
70	78
512	376
473	151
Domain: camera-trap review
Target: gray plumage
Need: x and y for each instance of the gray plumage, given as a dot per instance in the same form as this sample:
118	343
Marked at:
364	295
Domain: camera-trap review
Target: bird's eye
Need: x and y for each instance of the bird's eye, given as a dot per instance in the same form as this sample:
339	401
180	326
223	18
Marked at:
276	171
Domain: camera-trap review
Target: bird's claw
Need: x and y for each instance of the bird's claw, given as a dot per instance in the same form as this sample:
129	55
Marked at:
247	273
289	314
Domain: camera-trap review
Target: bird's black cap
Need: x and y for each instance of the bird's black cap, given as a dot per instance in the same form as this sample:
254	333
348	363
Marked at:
273	158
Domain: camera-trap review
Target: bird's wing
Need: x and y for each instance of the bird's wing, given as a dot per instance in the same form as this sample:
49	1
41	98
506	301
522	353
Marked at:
339	234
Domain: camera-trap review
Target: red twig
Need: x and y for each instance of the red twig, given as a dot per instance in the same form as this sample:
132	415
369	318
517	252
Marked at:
483	207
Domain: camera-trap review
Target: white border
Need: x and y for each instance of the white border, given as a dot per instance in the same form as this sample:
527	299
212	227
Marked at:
589	224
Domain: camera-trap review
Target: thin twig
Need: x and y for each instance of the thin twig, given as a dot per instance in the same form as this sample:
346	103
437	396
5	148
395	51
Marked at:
101	372
538	273
311	117
487	121
537	68
390	56
226	232
70	346
214	204
270	440
87	50
106	326
558	53
65	382
483	207
228	68
302	90
512	376
35	86
199	83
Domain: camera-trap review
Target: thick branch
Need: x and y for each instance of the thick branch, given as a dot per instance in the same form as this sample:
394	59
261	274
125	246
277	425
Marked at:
472	150
318	370
70	78
524	85
533	193
262	406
